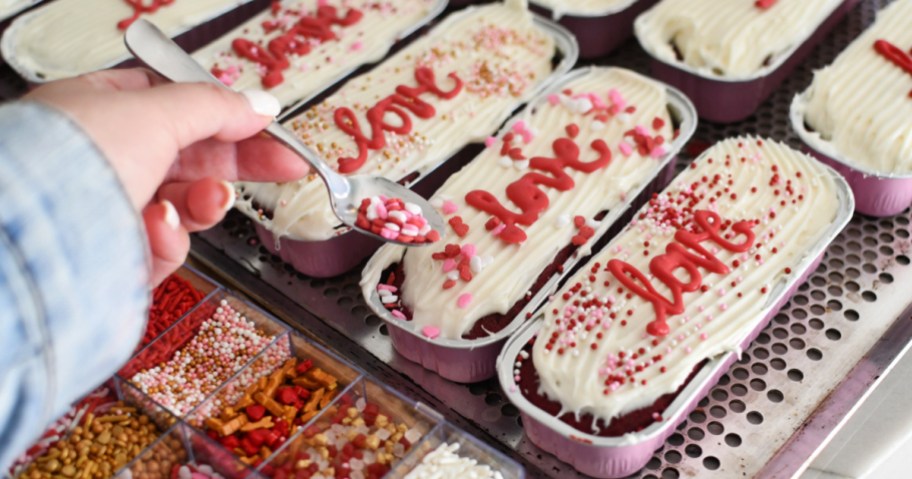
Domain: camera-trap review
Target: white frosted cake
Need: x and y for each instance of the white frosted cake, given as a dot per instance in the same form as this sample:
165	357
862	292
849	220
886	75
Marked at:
584	8
9	8
859	108
299	47
65	38
688	279
530	195
732	39
450	88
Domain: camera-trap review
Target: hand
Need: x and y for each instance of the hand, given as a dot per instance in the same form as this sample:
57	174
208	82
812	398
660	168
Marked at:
174	148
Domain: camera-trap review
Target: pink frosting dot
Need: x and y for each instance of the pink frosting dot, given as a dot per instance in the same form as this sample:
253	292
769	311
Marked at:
464	300
490	141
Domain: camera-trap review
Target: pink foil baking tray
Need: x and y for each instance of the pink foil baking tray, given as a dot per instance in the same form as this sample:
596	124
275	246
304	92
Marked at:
343	252
876	193
613	457
599	35
467	361
727	101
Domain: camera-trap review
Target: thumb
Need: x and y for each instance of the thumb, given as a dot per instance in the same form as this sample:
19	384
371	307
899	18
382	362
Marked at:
197	111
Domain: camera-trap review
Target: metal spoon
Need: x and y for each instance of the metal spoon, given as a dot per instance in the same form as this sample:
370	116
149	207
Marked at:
158	52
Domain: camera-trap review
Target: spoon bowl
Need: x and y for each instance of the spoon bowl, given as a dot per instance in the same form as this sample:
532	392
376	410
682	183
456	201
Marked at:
346	193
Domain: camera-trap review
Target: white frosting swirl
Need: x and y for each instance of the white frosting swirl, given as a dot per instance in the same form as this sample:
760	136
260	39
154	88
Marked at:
731	39
497	52
9	8
68	37
366	41
584	8
510	270
860	107
753	182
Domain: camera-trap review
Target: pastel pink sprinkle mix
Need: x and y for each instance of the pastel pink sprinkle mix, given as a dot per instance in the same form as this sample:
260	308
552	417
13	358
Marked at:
431	332
463	301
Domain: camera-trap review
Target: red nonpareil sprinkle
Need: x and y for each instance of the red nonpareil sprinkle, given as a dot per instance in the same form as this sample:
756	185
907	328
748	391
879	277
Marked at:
657	123
572	130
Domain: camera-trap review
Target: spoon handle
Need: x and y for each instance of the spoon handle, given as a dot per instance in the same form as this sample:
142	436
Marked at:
158	52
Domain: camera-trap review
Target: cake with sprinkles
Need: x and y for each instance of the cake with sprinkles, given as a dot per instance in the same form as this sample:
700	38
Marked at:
688	279
452	87
296	48
534	196
732	39
859	108
65	38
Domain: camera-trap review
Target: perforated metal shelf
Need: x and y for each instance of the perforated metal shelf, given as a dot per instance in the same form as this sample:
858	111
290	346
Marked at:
767	417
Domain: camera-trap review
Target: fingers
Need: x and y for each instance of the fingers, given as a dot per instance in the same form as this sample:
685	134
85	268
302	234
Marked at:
125	79
192	112
200	204
256	159
169	242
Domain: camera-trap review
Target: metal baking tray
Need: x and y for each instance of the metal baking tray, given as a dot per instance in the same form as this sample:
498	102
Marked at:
818	358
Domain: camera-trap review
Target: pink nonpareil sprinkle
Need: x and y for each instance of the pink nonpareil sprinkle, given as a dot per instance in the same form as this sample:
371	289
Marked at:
463	301
553	99
431	332
357	46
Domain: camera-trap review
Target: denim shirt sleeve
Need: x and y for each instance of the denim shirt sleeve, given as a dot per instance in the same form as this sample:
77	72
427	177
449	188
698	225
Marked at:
73	271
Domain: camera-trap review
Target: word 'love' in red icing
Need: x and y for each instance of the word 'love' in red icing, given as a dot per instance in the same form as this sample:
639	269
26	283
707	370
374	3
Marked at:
896	55
140	7
298	40
405	98
525	192
685	252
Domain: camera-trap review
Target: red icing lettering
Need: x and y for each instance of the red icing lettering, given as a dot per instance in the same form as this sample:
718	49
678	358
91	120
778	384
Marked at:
140	7
687	253
406	99
895	54
297	40
525	192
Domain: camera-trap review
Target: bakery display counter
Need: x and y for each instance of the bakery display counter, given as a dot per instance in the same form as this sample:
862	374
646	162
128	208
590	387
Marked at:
313	386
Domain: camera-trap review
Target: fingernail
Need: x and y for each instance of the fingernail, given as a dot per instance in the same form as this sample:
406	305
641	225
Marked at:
230	195
172	219
263	103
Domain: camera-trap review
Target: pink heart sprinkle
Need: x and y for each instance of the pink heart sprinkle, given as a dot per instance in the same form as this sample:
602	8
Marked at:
431	332
490	141
464	300
553	99
449	207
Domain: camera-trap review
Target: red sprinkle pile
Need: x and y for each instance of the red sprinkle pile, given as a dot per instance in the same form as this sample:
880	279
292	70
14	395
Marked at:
170	300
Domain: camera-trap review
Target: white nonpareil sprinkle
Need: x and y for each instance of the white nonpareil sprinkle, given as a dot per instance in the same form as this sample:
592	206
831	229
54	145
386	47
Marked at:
445	463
